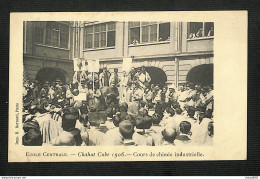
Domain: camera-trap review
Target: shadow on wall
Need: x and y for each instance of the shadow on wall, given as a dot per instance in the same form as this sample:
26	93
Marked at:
157	75
51	74
202	74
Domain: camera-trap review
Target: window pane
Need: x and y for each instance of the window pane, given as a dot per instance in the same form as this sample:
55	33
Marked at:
195	29
111	26
64	39
96	40
164	31
39	32
102	27
103	39
55	26
48	33
111	36
134	24
134	35
55	37
97	28
209	29
64	28
88	41
153	33
88	29
145	31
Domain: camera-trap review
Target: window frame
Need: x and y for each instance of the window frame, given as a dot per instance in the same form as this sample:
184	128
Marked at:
204	36
44	43
99	34
149	25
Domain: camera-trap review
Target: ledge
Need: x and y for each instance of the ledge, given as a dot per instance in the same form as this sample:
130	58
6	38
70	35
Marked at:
150	43
49	46
201	38
96	49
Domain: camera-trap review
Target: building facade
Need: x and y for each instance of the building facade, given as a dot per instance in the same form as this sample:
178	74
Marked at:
172	52
47	50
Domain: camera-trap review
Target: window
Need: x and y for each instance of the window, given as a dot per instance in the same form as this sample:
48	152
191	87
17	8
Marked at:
200	29
147	32
52	34
100	35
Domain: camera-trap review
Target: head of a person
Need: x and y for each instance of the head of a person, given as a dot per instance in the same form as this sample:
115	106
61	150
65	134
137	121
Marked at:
143	112
47	83
169	134
164	89
185	127
58	81
116	70
139	122
178	111
30	124
156	118
147	122
123	107
105	69
83	83
32	137
94	123
211	129
69	118
142	104
198	88
191	111
83	109
169	112
126	129
112	84
131	118
171	89
116	120
84	119
75	92
33	109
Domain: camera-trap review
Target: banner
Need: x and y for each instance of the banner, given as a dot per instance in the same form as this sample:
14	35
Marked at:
93	65
127	64
77	64
84	65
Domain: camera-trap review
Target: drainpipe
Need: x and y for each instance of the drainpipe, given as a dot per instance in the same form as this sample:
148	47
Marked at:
176	72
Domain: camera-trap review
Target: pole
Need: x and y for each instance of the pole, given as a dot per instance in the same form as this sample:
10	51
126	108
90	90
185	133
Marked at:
93	83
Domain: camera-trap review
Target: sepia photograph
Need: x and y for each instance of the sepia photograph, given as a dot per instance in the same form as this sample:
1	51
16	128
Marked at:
92	83
118	87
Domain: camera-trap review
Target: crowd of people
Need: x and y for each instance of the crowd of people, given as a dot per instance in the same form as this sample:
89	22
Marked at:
105	109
